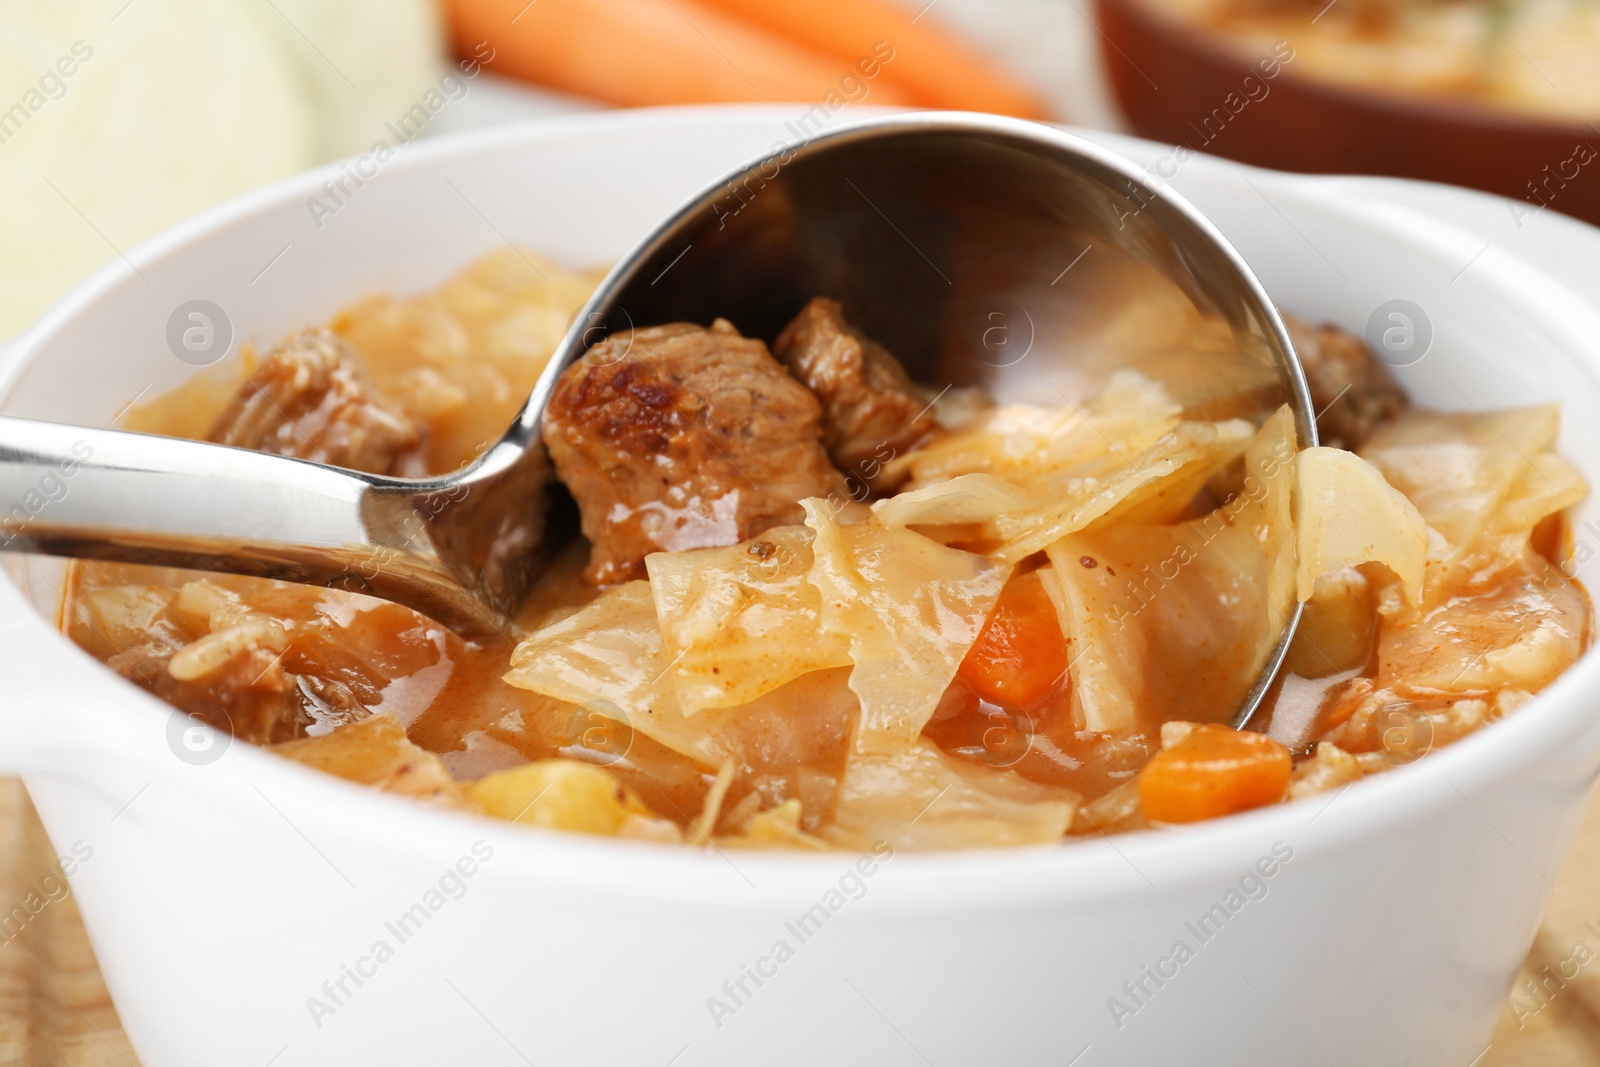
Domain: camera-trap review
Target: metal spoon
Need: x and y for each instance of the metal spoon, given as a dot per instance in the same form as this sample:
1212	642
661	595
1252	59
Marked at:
980	250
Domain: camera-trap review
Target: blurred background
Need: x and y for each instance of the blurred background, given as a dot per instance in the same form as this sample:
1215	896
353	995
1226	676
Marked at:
121	118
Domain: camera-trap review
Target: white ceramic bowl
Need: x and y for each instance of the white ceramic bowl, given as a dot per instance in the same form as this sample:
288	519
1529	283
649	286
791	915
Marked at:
222	897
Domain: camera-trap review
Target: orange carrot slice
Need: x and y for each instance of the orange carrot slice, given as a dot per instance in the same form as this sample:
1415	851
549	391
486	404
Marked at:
643	52
1213	771
940	68
1020	658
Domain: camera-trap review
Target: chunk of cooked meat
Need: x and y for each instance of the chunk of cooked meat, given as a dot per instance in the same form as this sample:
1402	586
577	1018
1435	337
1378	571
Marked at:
309	399
677	437
870	410
1354	393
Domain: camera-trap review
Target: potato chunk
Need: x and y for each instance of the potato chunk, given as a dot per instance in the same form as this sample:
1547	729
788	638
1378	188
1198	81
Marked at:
376	752
561	794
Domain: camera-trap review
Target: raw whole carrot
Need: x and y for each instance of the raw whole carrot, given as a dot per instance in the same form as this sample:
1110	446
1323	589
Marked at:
942	70
643	52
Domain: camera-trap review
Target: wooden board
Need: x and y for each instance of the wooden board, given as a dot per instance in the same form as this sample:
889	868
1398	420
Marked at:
54	1009
1553	1015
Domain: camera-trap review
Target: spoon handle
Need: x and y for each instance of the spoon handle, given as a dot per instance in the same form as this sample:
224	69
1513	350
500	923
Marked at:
138	498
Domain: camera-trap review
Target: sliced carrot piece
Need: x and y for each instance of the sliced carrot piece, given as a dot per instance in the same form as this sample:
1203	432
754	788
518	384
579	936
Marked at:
1213	771
642	52
940	68
1020	657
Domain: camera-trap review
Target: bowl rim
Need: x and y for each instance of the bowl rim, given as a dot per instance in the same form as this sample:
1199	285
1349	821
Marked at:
1220	48
1080	869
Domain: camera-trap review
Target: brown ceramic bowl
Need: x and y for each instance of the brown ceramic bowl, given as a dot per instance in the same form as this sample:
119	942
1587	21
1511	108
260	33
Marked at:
1170	75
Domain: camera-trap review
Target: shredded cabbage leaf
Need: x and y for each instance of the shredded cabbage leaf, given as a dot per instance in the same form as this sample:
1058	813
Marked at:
1145	488
1016	518
917	797
1496	615
1498	620
1176	622
1480	481
963	500
910	608
1346	515
1517	633
1548	484
738	622
1024	442
609	659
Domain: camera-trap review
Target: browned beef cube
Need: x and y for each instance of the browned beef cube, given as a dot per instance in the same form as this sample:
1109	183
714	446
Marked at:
677	437
1354	393
870	410
308	399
